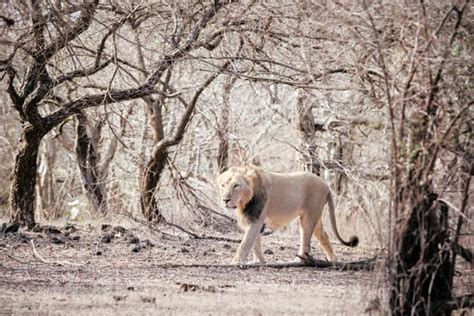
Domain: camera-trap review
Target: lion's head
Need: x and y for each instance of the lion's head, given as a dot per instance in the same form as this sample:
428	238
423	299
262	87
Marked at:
235	187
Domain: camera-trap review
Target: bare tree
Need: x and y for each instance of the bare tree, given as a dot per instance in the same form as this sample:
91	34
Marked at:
51	36
159	156
422	115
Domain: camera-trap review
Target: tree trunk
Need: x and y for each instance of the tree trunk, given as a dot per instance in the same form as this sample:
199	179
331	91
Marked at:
307	132
422	271
87	159
22	193
223	127
342	154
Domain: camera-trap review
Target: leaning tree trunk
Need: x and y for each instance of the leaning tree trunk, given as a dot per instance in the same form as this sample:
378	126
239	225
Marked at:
22	193
157	163
151	178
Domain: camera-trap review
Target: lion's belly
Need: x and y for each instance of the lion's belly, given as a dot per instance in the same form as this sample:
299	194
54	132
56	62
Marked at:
285	205
282	209
275	221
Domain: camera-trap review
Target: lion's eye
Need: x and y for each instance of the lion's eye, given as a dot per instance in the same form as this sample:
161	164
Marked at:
235	186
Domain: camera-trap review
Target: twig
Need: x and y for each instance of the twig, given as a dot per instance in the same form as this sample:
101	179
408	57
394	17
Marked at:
149	225
455	209
366	265
465	253
182	229
16	259
203	236
59	263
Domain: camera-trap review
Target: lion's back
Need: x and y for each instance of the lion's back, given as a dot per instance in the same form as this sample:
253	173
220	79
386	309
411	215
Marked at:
297	180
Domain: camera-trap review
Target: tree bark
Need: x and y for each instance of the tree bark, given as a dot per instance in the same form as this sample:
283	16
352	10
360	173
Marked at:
157	163
22	192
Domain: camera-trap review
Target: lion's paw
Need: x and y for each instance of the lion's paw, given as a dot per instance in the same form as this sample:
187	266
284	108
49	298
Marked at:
306	258
237	261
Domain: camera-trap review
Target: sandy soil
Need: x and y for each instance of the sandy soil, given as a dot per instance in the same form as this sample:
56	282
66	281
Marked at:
111	270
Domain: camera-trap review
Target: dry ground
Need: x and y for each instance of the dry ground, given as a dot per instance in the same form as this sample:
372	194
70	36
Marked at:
110	270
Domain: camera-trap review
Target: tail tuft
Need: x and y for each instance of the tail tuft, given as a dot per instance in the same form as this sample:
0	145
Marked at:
353	242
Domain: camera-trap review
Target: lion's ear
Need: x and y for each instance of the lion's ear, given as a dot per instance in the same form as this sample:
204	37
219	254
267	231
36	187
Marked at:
250	171
218	177
249	175
233	169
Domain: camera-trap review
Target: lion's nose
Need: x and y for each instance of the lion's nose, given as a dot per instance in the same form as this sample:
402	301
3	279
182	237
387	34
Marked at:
226	200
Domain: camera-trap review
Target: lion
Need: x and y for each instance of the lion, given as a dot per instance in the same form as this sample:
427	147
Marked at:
269	199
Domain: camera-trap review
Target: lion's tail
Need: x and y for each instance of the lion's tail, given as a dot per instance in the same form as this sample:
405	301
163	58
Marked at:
354	240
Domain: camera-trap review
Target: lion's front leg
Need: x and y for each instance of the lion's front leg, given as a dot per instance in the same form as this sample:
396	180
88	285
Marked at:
250	235
257	250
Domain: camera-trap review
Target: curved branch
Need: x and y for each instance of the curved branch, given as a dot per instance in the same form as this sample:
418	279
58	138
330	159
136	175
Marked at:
83	72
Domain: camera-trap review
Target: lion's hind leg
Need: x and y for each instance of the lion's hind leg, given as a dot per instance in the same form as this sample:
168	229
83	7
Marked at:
307	226
323	240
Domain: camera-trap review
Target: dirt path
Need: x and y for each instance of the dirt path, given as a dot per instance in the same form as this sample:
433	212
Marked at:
119	272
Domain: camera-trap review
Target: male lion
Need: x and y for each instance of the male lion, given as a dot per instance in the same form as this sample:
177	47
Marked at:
275	199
